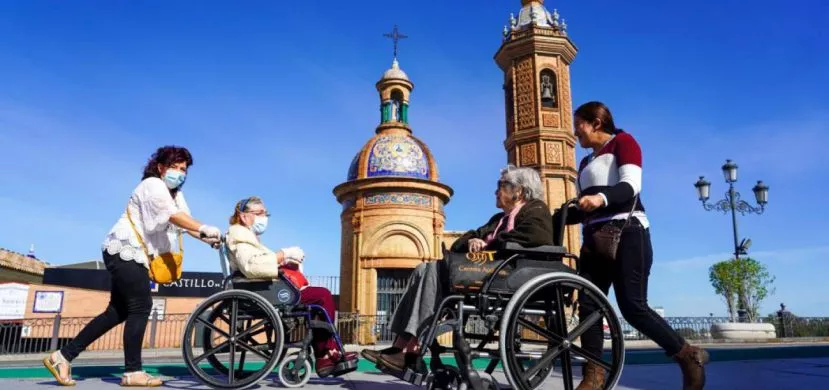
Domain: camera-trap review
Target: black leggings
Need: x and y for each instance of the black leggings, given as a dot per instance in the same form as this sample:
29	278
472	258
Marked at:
629	276
129	301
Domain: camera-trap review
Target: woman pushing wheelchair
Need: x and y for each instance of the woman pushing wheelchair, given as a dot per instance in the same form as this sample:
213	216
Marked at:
256	261
525	219
610	205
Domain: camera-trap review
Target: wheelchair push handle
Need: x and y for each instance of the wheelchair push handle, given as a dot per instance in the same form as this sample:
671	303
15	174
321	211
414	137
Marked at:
563	223
217	245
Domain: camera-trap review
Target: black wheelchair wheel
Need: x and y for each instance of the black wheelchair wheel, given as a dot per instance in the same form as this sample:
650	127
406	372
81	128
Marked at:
241	340
210	341
545	298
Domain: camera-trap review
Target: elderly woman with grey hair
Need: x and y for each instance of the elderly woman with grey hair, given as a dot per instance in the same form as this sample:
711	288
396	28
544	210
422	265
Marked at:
525	220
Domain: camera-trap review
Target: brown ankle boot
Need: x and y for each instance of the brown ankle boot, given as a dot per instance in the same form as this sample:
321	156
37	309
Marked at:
592	378
691	360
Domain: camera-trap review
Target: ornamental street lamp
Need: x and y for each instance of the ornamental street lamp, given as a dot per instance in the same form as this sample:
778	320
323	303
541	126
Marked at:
733	203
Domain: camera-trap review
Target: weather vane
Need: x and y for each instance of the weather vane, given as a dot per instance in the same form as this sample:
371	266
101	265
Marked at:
395	36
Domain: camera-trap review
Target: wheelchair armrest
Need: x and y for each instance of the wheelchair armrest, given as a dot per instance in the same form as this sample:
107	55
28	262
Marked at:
541	249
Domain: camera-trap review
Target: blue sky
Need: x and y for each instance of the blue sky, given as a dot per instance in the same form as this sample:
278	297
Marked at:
275	98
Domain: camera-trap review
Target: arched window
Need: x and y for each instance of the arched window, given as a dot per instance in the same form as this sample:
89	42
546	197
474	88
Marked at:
549	89
396	106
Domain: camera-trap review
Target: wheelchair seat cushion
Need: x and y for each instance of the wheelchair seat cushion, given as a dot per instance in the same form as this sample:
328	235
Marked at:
468	272
525	270
278	292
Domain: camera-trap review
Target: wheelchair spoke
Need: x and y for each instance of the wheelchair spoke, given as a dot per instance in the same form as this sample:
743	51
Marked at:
541	331
591	357
545	361
234	307
252	350
212	327
247	332
211	352
561	324
584	326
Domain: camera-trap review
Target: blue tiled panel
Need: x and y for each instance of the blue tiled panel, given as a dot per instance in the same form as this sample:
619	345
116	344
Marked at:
397	155
399	198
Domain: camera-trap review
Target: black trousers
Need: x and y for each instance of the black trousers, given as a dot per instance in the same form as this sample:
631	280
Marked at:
129	301
629	276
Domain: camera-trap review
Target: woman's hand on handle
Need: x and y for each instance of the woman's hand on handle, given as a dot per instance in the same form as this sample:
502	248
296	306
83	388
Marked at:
589	203
212	241
211	232
186	222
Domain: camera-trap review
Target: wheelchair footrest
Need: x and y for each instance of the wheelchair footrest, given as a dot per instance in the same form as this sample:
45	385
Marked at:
407	375
345	367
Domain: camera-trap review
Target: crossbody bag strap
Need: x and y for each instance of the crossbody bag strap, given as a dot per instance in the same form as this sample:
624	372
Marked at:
138	235
630	214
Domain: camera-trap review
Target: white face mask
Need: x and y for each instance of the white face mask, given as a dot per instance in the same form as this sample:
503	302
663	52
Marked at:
260	223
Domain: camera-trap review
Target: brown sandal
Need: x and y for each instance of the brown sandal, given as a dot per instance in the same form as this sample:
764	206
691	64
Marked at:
54	367
129	380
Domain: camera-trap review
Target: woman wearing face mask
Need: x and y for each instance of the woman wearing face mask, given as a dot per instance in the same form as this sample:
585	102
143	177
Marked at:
254	260
609	183
158	212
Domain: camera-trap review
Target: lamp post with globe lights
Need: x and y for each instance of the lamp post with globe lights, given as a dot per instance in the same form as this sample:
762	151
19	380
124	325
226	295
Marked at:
734	204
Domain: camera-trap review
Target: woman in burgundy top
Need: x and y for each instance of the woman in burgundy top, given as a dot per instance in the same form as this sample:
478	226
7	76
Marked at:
609	183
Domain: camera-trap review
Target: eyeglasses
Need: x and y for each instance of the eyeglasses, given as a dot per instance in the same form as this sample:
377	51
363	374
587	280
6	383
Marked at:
505	184
260	213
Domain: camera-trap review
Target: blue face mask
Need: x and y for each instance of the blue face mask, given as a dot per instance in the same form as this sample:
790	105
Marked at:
174	178
259	224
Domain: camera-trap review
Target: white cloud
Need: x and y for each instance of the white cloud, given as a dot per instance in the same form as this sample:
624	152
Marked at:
778	255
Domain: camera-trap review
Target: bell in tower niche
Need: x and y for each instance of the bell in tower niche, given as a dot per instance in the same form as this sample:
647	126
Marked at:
548	90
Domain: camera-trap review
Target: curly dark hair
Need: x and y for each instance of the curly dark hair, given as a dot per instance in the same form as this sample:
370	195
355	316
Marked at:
167	155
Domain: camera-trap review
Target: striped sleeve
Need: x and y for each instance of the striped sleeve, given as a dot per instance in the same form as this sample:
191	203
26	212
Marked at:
629	162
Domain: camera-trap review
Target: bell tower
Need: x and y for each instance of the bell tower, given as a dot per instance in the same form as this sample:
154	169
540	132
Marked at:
535	56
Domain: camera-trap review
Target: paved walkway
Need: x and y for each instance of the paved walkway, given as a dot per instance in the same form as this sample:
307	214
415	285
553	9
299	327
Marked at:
810	373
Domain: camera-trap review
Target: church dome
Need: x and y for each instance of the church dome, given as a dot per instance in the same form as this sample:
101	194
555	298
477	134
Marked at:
394	72
393	155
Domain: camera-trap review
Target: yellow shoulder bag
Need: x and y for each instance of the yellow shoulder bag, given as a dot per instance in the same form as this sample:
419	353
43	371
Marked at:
165	267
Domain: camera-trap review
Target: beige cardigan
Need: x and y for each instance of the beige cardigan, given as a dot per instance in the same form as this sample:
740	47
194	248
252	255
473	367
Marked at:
247	255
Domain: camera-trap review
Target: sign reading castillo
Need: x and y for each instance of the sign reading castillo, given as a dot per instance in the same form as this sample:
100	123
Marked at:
191	284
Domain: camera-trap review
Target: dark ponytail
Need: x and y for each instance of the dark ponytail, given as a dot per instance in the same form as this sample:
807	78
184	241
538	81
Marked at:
591	111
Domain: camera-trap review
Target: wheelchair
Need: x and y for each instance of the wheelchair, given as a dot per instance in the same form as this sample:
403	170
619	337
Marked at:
533	300
238	336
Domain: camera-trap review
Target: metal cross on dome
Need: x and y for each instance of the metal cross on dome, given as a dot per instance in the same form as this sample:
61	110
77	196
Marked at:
395	36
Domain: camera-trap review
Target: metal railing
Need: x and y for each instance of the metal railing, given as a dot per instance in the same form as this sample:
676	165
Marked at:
40	335
332	283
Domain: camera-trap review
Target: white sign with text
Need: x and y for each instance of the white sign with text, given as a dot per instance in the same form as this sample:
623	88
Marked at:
13	297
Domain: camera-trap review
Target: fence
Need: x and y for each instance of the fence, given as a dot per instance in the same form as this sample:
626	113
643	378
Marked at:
332	283
165	331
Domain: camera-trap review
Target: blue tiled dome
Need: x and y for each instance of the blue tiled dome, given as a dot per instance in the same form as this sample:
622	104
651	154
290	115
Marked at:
393	155
352	169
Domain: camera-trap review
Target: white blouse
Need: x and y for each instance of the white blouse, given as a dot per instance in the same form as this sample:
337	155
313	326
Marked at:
150	207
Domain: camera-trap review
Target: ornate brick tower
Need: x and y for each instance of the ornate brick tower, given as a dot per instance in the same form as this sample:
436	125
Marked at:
535	56
392	218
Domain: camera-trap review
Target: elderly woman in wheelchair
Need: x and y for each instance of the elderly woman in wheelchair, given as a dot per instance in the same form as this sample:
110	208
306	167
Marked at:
509	273
524	219
269	294
255	261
